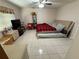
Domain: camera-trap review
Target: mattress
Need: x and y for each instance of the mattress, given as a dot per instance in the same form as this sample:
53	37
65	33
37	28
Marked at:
52	35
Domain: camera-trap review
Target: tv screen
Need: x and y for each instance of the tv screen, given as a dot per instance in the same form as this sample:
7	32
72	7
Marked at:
16	23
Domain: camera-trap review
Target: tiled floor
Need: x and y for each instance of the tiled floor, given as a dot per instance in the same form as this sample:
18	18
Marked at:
44	48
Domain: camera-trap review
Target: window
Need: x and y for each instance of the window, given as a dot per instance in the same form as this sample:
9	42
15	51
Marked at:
5	20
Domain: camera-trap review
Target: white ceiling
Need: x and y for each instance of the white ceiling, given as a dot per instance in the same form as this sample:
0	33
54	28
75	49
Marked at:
26	3
22	3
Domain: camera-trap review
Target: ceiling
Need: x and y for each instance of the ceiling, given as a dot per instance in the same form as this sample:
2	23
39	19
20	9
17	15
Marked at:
28	3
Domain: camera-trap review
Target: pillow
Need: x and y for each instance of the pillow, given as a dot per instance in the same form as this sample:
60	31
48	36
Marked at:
53	24
64	31
60	27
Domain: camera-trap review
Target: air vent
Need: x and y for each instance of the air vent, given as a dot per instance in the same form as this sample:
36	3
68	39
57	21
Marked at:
48	3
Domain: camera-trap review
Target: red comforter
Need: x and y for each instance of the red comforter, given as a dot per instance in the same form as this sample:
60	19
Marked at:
44	27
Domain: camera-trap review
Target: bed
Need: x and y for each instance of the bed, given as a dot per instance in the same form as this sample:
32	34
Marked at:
45	30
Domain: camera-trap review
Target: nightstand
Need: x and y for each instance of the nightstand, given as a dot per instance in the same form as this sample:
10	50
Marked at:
9	37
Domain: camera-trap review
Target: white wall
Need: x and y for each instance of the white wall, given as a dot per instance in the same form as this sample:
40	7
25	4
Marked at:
43	15
70	12
10	5
73	53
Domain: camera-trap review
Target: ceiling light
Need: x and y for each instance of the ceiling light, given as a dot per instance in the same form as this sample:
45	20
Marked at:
41	5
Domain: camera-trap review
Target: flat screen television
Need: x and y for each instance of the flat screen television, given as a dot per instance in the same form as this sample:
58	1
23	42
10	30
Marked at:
16	23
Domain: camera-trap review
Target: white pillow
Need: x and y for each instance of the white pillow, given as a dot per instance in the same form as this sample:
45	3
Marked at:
59	27
53	24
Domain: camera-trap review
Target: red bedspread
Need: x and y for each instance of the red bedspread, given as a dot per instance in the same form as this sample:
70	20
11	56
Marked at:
44	27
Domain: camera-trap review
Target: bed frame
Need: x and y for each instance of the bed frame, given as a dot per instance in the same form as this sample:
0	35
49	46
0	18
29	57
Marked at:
64	34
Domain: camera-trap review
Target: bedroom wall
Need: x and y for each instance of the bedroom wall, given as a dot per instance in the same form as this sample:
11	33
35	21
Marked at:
70	12
43	15
73	53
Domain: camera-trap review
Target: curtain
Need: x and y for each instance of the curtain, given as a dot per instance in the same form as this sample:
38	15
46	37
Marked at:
6	10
